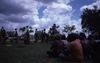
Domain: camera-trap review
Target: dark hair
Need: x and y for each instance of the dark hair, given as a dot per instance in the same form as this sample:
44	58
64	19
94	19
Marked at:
82	36
73	36
90	37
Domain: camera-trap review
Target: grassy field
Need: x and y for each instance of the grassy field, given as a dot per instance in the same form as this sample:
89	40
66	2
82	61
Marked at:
20	53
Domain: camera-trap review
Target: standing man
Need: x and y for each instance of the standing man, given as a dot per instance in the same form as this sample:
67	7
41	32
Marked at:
16	35
27	37
44	36
3	35
36	36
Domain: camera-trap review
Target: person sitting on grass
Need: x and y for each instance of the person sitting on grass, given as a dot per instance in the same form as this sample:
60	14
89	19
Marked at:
84	43
56	47
91	46
74	51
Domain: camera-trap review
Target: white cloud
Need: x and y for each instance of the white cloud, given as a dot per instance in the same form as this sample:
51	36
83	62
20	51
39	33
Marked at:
58	11
52	1
97	3
56	8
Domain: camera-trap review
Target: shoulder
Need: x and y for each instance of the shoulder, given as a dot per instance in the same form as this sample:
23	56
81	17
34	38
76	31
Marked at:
73	43
70	44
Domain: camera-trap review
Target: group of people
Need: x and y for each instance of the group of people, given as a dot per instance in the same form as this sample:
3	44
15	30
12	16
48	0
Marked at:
78	48
45	37
4	35
40	35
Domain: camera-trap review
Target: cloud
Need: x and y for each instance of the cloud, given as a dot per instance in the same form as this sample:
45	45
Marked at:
15	14
57	8
11	7
19	13
53	13
58	13
52	1
97	3
47	1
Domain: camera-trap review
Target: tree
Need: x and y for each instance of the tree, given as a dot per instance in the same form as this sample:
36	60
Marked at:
26	33
91	20
53	30
24	29
69	29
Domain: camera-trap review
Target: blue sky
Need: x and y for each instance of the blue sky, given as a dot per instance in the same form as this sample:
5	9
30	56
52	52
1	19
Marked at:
41	11
77	4
42	14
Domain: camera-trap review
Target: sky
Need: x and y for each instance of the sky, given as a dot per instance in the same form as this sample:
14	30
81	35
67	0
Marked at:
42	14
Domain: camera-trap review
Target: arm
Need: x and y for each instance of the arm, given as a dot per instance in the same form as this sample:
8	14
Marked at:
67	50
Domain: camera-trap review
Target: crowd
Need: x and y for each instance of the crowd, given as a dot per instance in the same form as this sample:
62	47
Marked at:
78	48
39	35
4	36
75	47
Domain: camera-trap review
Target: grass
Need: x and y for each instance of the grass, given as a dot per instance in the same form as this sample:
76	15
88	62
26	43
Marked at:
20	53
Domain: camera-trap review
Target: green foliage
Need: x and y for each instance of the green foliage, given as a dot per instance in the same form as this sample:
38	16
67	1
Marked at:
91	20
55	26
24	29
69	29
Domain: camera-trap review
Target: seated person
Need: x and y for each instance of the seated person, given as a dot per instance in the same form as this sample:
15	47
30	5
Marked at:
91	41
96	52
84	43
56	48
74	51
91	46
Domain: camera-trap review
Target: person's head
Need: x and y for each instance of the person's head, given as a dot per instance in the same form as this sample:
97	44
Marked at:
2	28
90	37
16	29
44	30
54	24
36	29
73	36
82	36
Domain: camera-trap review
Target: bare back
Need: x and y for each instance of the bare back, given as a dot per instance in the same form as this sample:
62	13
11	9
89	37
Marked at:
76	49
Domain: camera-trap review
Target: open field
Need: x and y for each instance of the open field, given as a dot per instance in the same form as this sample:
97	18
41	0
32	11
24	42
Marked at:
20	53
